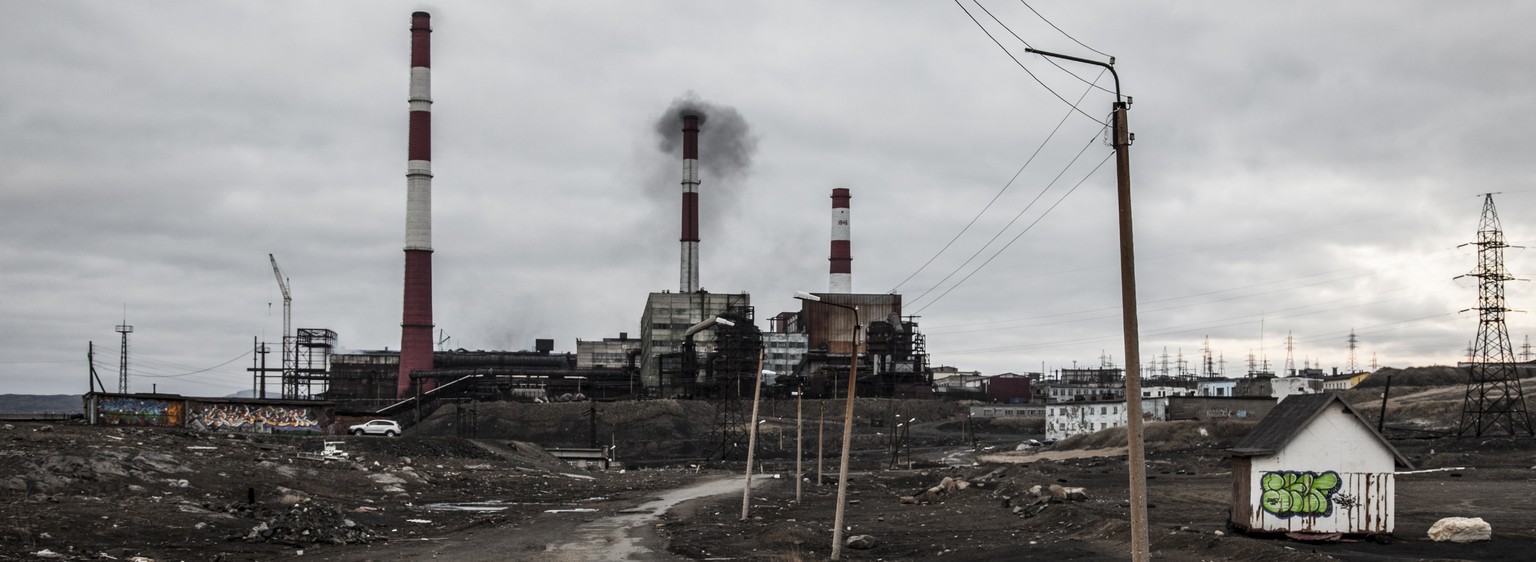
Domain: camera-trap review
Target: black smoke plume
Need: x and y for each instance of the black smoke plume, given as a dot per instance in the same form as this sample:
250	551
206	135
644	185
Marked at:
726	141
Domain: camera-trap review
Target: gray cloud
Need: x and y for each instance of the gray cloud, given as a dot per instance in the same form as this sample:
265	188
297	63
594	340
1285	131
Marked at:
1310	167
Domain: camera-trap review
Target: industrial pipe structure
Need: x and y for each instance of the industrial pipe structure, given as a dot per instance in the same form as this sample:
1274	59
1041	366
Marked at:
416	322
689	275
841	267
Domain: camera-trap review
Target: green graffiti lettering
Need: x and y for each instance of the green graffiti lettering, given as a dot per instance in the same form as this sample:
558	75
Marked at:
1289	493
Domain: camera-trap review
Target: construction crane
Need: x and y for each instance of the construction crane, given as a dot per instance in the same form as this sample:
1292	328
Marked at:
282	283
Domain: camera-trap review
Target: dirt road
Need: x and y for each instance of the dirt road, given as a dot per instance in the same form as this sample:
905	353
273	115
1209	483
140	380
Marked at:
561	535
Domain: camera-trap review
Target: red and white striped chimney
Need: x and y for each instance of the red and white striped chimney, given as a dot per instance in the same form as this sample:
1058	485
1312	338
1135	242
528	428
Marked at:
842	256
416	324
690	239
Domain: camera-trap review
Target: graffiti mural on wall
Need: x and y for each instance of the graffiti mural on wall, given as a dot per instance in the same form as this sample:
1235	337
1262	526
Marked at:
140	411
251	418
1289	493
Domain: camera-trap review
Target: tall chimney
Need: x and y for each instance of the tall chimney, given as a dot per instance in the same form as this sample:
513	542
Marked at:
842	256
690	238
416	324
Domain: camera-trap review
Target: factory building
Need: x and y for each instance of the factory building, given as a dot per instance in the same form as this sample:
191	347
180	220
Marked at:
668	368
892	353
782	354
363	380
607	352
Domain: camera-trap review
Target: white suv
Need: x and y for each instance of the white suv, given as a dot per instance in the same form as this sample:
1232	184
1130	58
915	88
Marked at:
387	428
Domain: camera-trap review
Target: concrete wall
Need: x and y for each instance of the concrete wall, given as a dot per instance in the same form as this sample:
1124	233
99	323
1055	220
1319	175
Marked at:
1008	411
1205	408
1063	420
134	410
1014	389
209	414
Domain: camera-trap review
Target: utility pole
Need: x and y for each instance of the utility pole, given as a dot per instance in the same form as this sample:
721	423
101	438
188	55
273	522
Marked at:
1290	355
1140	539
757	394
90	357
799	440
821	424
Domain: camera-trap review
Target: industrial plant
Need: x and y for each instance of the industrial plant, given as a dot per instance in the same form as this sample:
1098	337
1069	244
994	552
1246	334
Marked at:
690	344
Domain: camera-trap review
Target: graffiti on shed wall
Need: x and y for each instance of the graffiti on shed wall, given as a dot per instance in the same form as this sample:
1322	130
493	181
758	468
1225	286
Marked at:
1289	493
251	418
140	411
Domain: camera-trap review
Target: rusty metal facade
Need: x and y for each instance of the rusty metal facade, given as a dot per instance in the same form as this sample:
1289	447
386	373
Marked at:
829	328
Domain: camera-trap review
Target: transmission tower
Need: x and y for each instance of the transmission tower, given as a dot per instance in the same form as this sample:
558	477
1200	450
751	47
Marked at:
1493	397
1353	367
1183	366
122	360
1290	354
1210	366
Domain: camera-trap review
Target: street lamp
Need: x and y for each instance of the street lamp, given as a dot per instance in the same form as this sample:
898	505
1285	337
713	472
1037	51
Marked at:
1135	449
842	470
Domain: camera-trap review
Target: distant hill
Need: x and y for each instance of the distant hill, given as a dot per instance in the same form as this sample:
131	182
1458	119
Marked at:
1416	376
40	404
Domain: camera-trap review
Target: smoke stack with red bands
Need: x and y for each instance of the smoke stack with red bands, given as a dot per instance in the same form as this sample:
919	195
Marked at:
690	239
416	324
842	254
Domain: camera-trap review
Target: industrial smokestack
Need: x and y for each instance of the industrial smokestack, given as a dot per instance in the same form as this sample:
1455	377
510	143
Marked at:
842	256
416	324
690	239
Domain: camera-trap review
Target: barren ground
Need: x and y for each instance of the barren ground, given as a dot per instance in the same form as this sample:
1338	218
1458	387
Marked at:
72	492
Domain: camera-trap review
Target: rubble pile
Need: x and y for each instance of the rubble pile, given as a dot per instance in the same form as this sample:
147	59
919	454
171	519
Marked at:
938	493
307	522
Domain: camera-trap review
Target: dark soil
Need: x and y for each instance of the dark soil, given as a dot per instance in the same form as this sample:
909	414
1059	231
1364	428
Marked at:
74	492
1189	495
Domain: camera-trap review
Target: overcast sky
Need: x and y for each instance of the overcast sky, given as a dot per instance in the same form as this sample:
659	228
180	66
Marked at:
1301	168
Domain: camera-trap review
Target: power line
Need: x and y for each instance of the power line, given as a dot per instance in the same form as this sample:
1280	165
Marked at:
1370	270
1047	59
1026	69
999	192
1005	227
1063	32
1020	234
199	371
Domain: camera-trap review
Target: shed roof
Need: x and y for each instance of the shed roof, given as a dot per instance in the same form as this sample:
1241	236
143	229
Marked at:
1294	413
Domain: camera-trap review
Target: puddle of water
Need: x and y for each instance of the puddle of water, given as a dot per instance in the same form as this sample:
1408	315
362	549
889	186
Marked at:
483	507
613	538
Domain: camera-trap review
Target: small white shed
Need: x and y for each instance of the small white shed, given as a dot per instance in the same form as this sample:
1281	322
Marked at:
1314	466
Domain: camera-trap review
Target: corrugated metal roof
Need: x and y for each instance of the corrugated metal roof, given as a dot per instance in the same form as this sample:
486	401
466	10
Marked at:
1283	423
